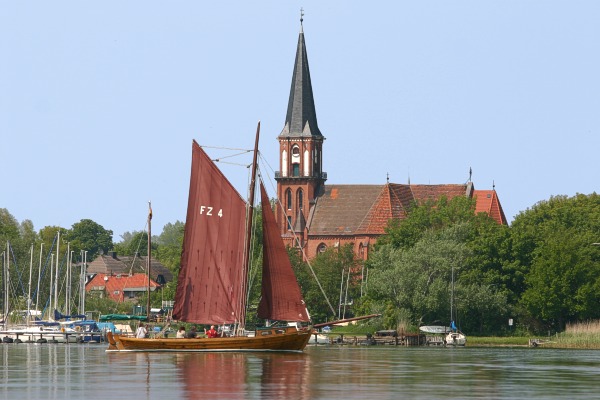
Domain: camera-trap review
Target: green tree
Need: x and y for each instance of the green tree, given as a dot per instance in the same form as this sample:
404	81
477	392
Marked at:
551	245
428	215
89	236
328	267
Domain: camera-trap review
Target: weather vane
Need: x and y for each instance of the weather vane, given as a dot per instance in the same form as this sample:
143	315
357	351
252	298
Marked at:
301	15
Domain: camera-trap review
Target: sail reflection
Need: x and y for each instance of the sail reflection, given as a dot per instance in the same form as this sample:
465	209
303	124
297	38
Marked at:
244	375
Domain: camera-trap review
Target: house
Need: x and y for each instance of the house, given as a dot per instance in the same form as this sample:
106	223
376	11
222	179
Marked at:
124	278
120	287
316	215
118	265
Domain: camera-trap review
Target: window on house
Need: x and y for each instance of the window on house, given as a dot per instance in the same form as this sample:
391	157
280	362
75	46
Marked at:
295	169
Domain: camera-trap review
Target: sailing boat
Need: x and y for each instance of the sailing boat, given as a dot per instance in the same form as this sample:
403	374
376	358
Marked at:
455	337
212	286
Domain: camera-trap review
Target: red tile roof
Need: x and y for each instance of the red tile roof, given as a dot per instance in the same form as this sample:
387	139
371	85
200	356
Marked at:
487	201
114	286
348	210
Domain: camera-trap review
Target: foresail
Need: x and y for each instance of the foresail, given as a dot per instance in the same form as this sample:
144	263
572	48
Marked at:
210	276
281	298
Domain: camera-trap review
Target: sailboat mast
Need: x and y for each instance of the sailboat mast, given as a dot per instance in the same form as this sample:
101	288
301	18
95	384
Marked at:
28	319
245	269
149	259
452	297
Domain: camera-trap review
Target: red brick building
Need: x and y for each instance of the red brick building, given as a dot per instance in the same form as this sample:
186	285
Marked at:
316	215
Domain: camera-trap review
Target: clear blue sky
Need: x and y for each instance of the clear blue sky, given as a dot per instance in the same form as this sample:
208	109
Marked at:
100	101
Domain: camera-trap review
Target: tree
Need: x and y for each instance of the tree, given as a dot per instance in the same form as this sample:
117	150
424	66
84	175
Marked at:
89	236
428	215
328	267
561	269
418	279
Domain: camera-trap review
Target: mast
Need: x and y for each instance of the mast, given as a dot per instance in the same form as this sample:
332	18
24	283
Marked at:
149	259
452	298
37	291
56	275
245	269
29	287
5	265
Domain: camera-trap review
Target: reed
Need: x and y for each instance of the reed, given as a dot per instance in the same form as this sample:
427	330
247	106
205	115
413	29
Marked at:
579	335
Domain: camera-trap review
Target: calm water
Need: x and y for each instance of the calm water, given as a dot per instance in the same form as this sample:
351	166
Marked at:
87	372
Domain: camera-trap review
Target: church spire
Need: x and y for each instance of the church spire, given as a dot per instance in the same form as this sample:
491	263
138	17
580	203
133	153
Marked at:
301	118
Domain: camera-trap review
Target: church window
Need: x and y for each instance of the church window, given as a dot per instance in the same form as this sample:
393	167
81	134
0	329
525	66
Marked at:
295	169
321	248
288	199
300	199
289	222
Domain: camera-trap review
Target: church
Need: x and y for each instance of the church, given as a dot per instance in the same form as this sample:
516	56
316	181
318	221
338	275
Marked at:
315	215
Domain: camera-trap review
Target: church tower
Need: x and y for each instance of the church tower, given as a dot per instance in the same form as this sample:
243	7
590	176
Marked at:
300	152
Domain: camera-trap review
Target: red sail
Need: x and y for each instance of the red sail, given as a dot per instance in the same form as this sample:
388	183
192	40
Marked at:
281	298
210	276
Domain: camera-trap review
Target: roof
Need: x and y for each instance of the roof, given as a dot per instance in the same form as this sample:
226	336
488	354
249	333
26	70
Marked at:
341	209
487	201
301	117
115	285
366	209
111	263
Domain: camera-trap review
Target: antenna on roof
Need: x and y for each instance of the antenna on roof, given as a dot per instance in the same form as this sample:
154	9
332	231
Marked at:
493	185
301	15
470	173
387	178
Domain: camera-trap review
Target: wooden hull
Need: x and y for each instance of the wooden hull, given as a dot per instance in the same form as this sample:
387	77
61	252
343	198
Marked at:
274	339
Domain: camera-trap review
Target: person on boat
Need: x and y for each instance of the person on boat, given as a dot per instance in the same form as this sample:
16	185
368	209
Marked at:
192	333
211	333
141	331
181	332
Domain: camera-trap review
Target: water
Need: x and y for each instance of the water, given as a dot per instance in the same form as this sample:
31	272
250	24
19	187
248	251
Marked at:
86	371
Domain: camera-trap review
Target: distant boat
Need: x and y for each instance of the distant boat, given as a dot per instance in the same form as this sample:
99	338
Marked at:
455	337
434	329
213	278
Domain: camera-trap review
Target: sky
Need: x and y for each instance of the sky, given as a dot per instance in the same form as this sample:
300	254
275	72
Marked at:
100	101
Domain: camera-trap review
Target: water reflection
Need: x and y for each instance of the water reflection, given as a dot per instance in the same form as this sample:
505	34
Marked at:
86	371
243	375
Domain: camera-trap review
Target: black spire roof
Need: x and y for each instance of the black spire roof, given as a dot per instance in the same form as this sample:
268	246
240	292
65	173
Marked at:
301	118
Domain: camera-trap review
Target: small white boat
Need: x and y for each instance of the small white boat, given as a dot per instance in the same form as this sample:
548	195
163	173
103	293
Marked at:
317	338
456	339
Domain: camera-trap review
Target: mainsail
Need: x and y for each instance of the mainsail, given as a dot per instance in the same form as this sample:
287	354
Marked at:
210	277
281	298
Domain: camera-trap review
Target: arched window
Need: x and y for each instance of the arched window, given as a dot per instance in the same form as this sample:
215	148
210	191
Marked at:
321	248
300	199
288	199
295	160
